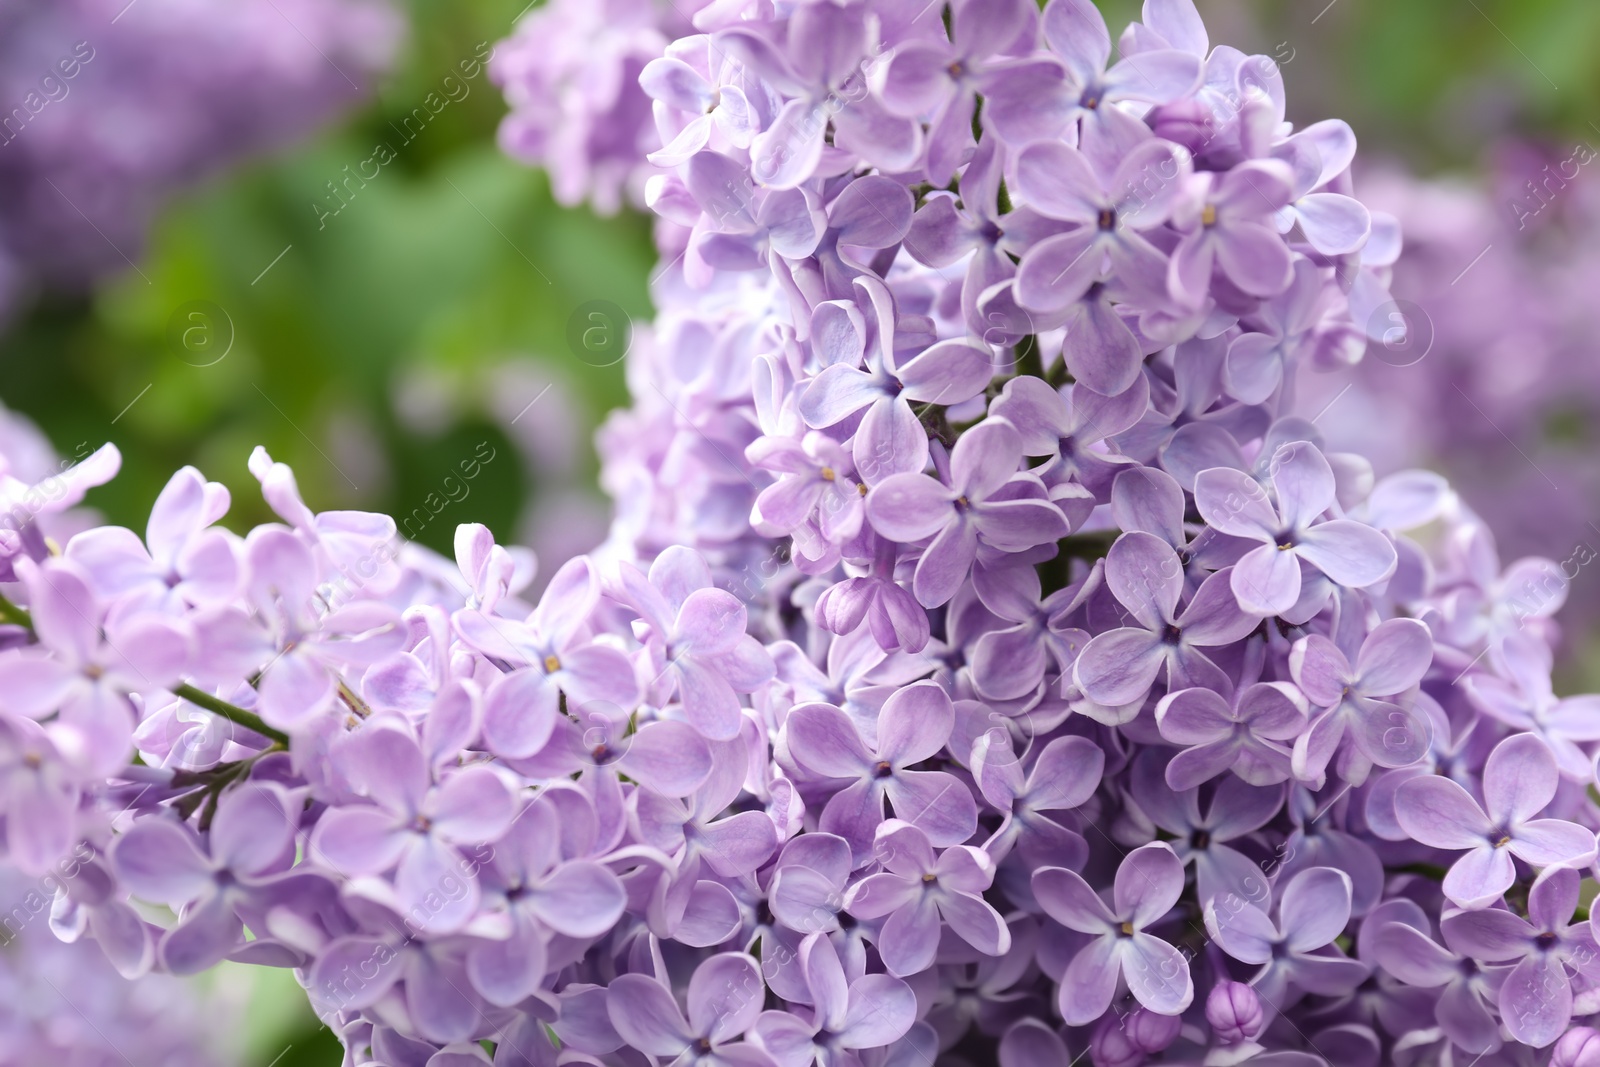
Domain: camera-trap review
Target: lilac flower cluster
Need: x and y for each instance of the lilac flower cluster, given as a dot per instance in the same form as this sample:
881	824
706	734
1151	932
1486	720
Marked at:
982	666
99	124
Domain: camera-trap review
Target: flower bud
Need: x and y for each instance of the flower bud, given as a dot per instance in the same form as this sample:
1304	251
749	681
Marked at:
1125	1040
1234	1012
1151	1033
1578	1047
1112	1045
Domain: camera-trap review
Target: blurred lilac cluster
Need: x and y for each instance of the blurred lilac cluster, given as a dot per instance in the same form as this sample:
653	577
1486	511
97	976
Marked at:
1500	387
982	668
107	108
571	75
61	1001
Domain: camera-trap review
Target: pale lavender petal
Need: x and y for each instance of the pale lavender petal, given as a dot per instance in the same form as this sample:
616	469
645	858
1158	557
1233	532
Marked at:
1065	775
1018	525
1266	580
646	1016
160	861
252	827
984	458
738	844
1255	258
472	806
1148	499
1195	766
824	741
1070	901
1536	1000
1519	778
1240	928
1335	225
1231	502
355	841
1030	1043
1144	573
1214	616
1101	352
579	899
910	938
1090	981
725	996
1254	367
1148	883
1120	666
1057	271
976	923
936	802
914	723
1194	717
1320	669
1394	657
946	563
1058	181
878	895
837	393
910	507
1438	812
1553	843
1315	907
507	972
1390	735
882	1008
947	373
1157	974
1351	553
855	813
203	938
1077	32
1413	957
1303	481
668	757
1161	76
519	712
1480	877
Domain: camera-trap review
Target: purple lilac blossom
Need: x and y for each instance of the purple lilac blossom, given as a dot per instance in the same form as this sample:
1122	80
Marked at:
774	775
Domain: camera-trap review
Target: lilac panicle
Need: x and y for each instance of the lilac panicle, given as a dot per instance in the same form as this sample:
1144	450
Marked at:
985	661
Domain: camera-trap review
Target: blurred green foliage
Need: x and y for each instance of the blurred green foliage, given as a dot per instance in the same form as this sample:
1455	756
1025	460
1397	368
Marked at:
454	259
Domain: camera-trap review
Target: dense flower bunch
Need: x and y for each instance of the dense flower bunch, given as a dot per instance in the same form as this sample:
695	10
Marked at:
99	124
61	1000
983	666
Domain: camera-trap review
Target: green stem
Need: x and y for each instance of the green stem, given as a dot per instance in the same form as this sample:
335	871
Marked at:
9	612
232	712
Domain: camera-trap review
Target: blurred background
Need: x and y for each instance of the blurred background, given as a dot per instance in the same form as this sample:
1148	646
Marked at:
289	224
